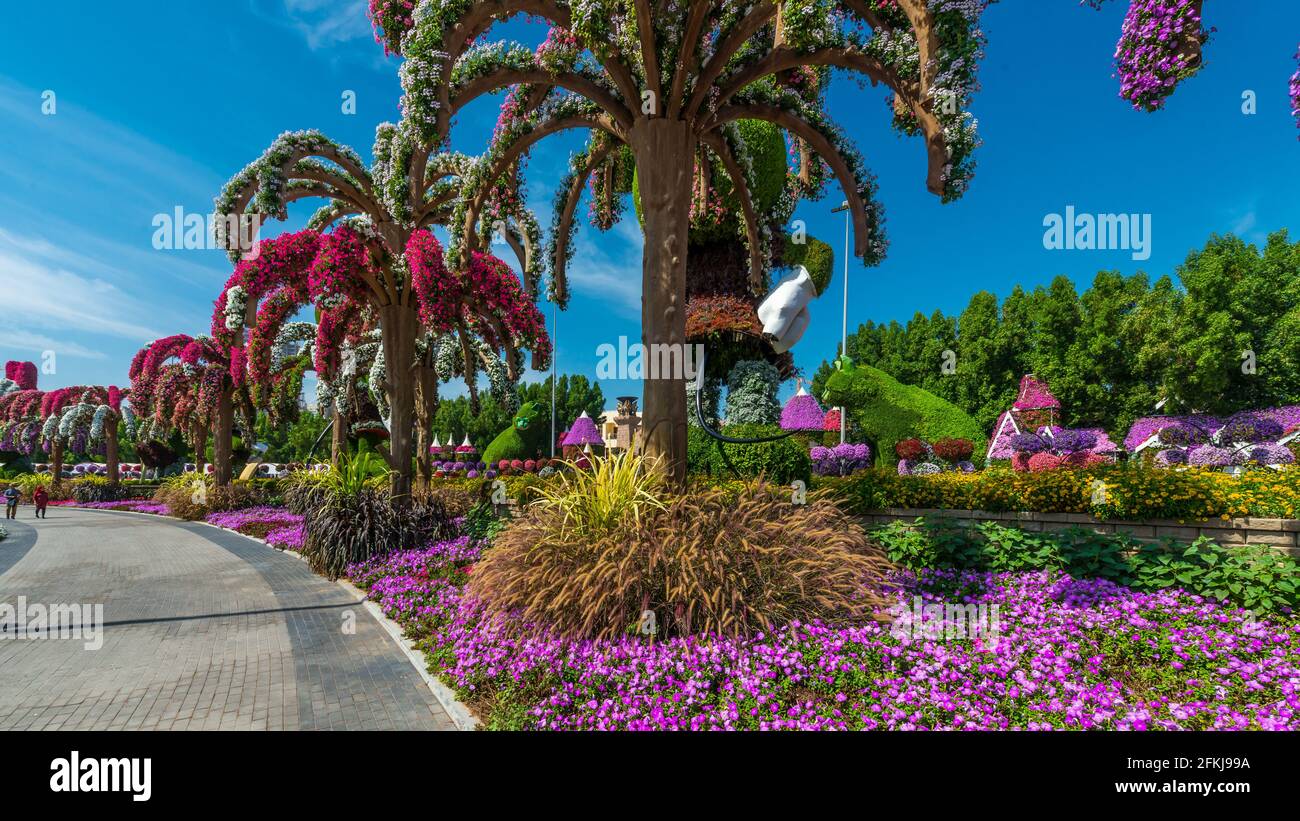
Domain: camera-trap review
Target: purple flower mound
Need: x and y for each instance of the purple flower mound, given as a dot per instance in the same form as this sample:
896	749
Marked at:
802	412
1210	456
235	519
1182	434
1063	657
841	460
1068	441
287	538
1171	456
583	433
1028	443
1249	426
1270	454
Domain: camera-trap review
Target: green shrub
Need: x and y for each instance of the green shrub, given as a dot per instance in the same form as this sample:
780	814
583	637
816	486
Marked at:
344	526
97	489
887	411
781	461
1255	577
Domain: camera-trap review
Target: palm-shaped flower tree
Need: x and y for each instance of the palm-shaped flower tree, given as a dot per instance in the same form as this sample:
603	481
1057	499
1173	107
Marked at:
668	84
376	250
84	419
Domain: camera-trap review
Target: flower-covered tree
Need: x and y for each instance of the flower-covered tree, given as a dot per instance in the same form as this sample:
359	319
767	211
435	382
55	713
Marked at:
667	86
184	383
84	419
20	421
375	249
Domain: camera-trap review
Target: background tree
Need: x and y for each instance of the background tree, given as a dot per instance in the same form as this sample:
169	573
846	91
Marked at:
1219	338
574	395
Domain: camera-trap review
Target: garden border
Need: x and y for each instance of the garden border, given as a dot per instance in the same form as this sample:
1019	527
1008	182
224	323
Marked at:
1283	534
460	713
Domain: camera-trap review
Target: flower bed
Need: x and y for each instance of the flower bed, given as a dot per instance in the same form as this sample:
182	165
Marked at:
262	522
156	508
1069	654
1108	492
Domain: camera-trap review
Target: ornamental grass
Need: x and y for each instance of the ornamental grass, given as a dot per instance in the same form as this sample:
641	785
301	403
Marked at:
706	562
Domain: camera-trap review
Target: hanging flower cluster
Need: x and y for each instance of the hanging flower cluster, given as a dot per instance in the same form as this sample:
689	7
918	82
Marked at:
1295	93
1159	46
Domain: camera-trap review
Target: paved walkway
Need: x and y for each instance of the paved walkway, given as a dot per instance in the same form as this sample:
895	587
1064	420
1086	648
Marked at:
203	629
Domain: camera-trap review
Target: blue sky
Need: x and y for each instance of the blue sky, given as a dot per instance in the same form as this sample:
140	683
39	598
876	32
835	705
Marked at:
158	106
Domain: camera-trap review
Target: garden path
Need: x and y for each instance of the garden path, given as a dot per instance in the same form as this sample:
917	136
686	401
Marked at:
202	629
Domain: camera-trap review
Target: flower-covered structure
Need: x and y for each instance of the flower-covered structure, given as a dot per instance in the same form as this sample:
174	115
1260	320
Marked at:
19	376
840	460
583	433
1246	437
803	412
1159	46
1035	407
20	421
85	419
665	93
1053	446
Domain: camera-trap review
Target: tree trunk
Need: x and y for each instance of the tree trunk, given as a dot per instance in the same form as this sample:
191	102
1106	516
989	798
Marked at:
426	404
399	323
110	449
221	440
56	460
665	151
200	437
339	438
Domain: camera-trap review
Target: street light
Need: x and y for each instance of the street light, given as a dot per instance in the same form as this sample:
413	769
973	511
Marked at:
844	320
555	352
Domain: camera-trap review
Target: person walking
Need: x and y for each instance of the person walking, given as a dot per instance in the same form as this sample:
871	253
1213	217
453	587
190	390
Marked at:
41	498
12	496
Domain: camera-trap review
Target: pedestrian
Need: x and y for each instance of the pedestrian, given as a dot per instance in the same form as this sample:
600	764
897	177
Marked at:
41	498
12	496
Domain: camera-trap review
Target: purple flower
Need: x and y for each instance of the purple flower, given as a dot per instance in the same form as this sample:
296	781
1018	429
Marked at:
1028	443
1210	456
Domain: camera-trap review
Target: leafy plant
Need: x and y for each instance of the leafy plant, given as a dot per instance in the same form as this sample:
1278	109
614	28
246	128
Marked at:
1255	577
782	460
618	491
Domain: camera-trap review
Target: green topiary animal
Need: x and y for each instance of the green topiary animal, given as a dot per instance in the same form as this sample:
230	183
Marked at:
523	439
887	411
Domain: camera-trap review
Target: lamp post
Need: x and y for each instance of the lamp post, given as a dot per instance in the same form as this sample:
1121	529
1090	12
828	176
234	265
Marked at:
555	352
844	319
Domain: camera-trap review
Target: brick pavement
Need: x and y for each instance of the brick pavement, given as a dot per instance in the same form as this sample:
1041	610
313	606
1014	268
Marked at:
203	629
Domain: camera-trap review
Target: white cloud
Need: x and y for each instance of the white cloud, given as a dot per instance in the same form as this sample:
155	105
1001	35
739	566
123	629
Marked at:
325	23
611	270
45	292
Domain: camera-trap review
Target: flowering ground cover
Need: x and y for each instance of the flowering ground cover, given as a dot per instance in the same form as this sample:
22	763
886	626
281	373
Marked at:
134	506
1067	654
263	522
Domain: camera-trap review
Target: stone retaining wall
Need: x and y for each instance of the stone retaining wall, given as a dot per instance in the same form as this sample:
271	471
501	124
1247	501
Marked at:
1280	533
